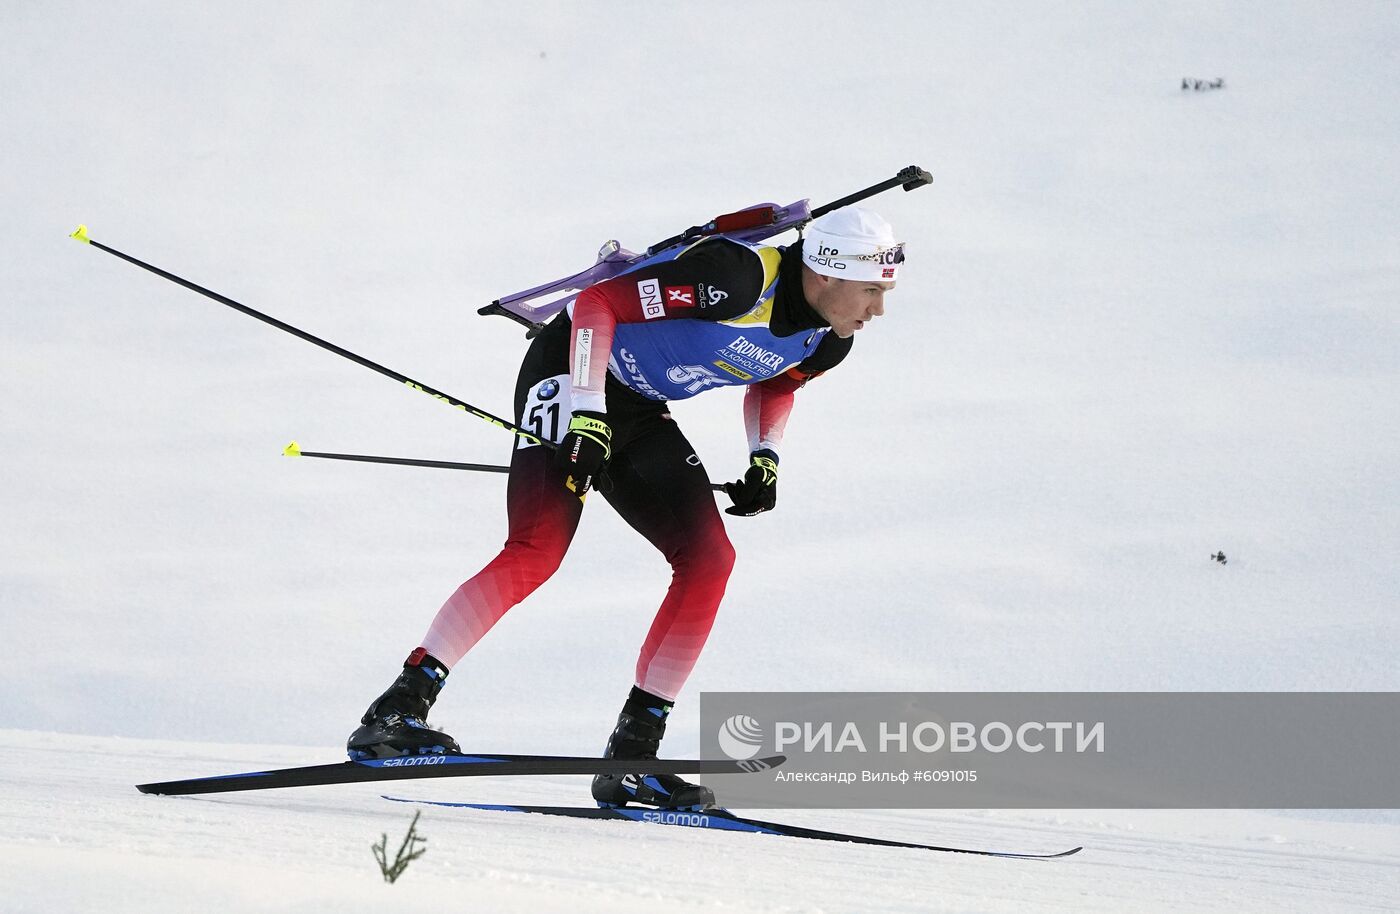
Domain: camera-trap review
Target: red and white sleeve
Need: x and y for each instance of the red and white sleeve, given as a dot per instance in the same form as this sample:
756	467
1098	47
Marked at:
767	406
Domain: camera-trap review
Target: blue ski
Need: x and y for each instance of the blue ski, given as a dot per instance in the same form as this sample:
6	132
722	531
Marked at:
721	820
450	765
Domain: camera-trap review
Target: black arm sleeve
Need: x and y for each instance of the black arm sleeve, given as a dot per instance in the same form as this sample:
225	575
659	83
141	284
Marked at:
715	280
829	353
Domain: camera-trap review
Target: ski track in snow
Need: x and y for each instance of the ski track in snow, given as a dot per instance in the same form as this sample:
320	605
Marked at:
80	837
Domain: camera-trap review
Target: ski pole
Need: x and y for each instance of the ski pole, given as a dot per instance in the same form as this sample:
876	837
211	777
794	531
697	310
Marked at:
294	450
82	235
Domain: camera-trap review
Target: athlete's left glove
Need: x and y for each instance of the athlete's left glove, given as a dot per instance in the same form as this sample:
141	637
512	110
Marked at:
586	447
758	490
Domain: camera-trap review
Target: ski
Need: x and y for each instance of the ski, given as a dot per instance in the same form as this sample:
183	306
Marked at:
724	820
448	766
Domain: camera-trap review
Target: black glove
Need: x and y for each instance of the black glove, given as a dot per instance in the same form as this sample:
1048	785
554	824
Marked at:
758	490
587	445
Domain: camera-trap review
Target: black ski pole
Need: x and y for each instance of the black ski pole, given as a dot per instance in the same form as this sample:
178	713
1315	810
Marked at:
82	235
294	450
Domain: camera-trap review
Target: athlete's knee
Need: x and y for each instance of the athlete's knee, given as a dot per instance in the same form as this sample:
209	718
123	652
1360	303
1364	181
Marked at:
724	555
710	557
531	562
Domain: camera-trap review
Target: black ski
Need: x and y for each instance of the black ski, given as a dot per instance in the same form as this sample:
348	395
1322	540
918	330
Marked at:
448	766
723	820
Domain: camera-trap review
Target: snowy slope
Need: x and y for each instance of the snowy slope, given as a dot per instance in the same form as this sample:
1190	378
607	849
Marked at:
307	849
1137	325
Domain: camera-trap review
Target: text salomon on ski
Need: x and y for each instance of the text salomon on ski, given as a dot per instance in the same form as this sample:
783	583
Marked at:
724	820
447	766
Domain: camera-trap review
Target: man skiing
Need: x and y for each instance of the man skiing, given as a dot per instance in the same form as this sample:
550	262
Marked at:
597	380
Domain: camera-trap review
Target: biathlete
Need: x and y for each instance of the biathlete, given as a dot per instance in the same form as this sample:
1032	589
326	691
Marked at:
597	381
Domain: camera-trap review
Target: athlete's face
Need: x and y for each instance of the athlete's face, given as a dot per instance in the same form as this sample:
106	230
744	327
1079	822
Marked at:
846	305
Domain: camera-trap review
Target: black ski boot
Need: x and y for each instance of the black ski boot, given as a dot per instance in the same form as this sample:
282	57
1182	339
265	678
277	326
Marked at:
396	724
640	727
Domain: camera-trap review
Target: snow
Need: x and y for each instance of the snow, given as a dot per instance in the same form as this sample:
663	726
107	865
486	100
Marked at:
1138	325
67	813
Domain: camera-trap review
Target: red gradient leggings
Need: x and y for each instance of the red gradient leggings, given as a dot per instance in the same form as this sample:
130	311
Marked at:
653	480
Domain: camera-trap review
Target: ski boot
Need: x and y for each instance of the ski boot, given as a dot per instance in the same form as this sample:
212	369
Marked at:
640	727
396	724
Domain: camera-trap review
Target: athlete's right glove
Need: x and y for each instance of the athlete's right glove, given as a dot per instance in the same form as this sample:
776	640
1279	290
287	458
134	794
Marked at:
587	445
758	490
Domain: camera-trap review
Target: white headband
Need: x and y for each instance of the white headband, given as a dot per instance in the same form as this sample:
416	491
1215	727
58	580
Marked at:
855	244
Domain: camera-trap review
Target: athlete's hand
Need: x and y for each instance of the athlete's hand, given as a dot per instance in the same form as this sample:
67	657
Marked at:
758	490
587	445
